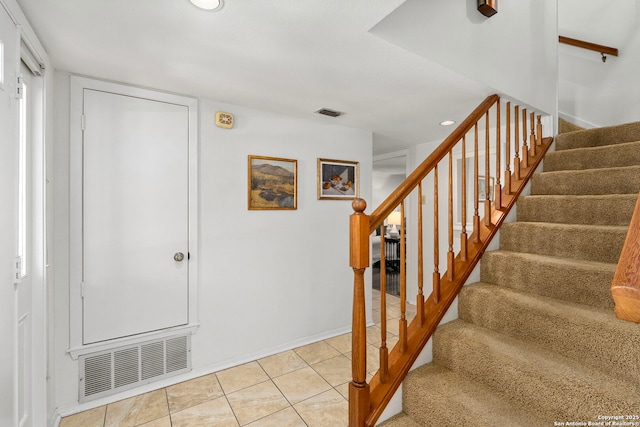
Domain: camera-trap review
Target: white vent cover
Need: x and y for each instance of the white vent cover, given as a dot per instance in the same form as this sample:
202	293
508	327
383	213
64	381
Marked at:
112	371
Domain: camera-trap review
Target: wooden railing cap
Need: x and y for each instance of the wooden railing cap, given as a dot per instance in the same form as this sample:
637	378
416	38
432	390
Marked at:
359	205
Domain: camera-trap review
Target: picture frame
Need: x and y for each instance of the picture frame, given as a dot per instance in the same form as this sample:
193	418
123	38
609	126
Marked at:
273	183
338	179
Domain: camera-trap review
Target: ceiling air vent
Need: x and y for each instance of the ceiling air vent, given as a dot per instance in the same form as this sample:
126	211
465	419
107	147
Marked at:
329	112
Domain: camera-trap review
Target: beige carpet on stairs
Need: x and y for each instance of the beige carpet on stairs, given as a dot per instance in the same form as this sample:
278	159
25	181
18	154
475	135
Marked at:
537	342
565	126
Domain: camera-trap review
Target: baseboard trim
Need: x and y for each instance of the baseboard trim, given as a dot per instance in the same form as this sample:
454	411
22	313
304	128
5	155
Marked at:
576	121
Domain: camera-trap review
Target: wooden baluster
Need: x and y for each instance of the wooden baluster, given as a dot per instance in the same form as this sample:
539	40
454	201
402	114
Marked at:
507	154
516	143
497	193
420	297
487	174
539	132
476	199
384	351
463	203
436	243
383	270
450	254
359	393
525	149
532	138
403	283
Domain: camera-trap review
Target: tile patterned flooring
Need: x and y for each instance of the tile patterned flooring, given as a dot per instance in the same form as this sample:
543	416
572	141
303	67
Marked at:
306	386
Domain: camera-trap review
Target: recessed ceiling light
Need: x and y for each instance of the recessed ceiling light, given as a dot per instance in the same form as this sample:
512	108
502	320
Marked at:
212	5
447	123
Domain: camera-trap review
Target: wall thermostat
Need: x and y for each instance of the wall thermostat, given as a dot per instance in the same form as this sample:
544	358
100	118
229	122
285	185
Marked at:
224	120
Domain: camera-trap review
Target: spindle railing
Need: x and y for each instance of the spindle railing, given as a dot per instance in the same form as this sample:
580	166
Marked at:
367	400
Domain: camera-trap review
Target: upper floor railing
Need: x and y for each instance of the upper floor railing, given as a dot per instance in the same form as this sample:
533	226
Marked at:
480	169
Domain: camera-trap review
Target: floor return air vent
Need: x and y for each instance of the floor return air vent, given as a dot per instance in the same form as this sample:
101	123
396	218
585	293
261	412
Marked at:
111	371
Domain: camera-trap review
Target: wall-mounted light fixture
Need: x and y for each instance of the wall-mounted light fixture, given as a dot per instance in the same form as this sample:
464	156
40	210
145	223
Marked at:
212	5
488	7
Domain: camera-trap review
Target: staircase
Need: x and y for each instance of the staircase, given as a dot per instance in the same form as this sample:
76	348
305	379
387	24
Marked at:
537	341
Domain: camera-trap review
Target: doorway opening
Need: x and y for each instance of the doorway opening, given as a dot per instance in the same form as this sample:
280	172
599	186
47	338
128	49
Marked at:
389	170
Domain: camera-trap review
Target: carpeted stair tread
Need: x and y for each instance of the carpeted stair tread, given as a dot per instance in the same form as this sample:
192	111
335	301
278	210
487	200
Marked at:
579	281
589	335
617	180
537	342
617	155
601	243
437	396
597	137
607	209
565	126
550	385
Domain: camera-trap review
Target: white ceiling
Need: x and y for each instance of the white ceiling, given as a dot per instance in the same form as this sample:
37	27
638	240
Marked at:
286	56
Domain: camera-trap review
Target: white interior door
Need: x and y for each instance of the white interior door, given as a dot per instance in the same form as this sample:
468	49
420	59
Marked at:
135	205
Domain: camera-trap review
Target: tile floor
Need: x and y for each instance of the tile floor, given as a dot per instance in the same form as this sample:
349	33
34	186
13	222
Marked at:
306	386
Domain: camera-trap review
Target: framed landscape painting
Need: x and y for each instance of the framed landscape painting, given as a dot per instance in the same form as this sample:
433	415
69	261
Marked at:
338	179
272	183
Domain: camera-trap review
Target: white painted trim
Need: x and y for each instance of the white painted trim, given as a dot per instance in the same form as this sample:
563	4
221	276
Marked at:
578	122
394	407
16	14
75	352
77	86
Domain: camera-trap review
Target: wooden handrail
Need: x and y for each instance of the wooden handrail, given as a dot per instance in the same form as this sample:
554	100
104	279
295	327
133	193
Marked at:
625	287
588	45
367	400
409	184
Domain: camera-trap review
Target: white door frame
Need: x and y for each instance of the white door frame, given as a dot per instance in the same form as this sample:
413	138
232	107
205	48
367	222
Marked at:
77	86
36	397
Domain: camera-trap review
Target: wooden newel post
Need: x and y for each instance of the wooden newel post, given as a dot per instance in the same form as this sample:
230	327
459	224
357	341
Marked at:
625	287
359	405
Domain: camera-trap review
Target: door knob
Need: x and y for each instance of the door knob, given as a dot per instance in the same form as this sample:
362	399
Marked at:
179	256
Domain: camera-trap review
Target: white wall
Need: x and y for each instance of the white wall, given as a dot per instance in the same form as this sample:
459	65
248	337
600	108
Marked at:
593	93
514	52
271	279
268	280
64	371
383	185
